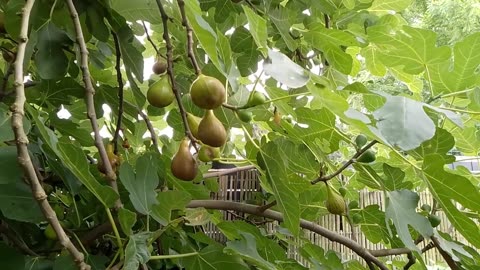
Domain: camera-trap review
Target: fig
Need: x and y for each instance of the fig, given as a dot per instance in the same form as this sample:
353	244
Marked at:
353	205
434	220
277	118
183	164
211	130
160	93
361	140
343	191
256	98
208	153
367	157
244	116
50	233
114	160
426	207
160	67
356	218
335	203
193	122
207	92
126	144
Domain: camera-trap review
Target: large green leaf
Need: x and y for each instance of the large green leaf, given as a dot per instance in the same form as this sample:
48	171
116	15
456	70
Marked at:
247	249
6	132
168	201
412	48
139	10
373	224
284	70
244	45
281	18
213	258
401	208
277	177
258	27
17	202
448	188
51	60
136	252
467	140
389	5
463	75
11	259
11	170
329	42
72	157
441	143
142	184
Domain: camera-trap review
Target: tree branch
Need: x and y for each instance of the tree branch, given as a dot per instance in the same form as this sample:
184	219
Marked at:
448	259
89	93
253	209
150	128
191	53
22	141
345	165
150	39
178	97
411	261
118	55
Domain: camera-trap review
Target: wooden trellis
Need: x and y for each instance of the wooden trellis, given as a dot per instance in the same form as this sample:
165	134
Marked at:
242	185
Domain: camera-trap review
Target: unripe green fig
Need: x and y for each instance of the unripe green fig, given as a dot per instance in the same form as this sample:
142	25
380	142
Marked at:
356	218
256	98
426	207
244	116
367	157
361	140
335	203
160	93
160	67
50	232
211	130
353	205
208	153
193	122
343	191
183	165
207	92
434	220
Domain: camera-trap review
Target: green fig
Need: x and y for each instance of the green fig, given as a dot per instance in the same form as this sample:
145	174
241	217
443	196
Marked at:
343	191
335	203
426	207
353	205
361	140
50	233
193	122
160	67
434	220
208	153
183	165
256	98
356	218
367	157
207	92
244	116
160	93
211	130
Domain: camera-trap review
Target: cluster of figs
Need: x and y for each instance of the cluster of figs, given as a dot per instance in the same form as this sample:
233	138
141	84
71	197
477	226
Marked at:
207	93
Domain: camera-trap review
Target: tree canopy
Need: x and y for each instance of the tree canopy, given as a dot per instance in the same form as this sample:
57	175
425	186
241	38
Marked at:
113	112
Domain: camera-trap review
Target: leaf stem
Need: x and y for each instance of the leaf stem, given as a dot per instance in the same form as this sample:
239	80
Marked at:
173	256
150	39
115	231
457	93
460	110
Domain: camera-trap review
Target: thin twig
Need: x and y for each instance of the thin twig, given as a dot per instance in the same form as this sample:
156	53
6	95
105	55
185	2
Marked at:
191	53
262	208
253	209
89	93
22	142
178	97
15	239
118	55
150	39
150	128
345	165
231	107
327	20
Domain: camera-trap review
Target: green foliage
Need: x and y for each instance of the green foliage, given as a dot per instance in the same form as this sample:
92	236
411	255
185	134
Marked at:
400	78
